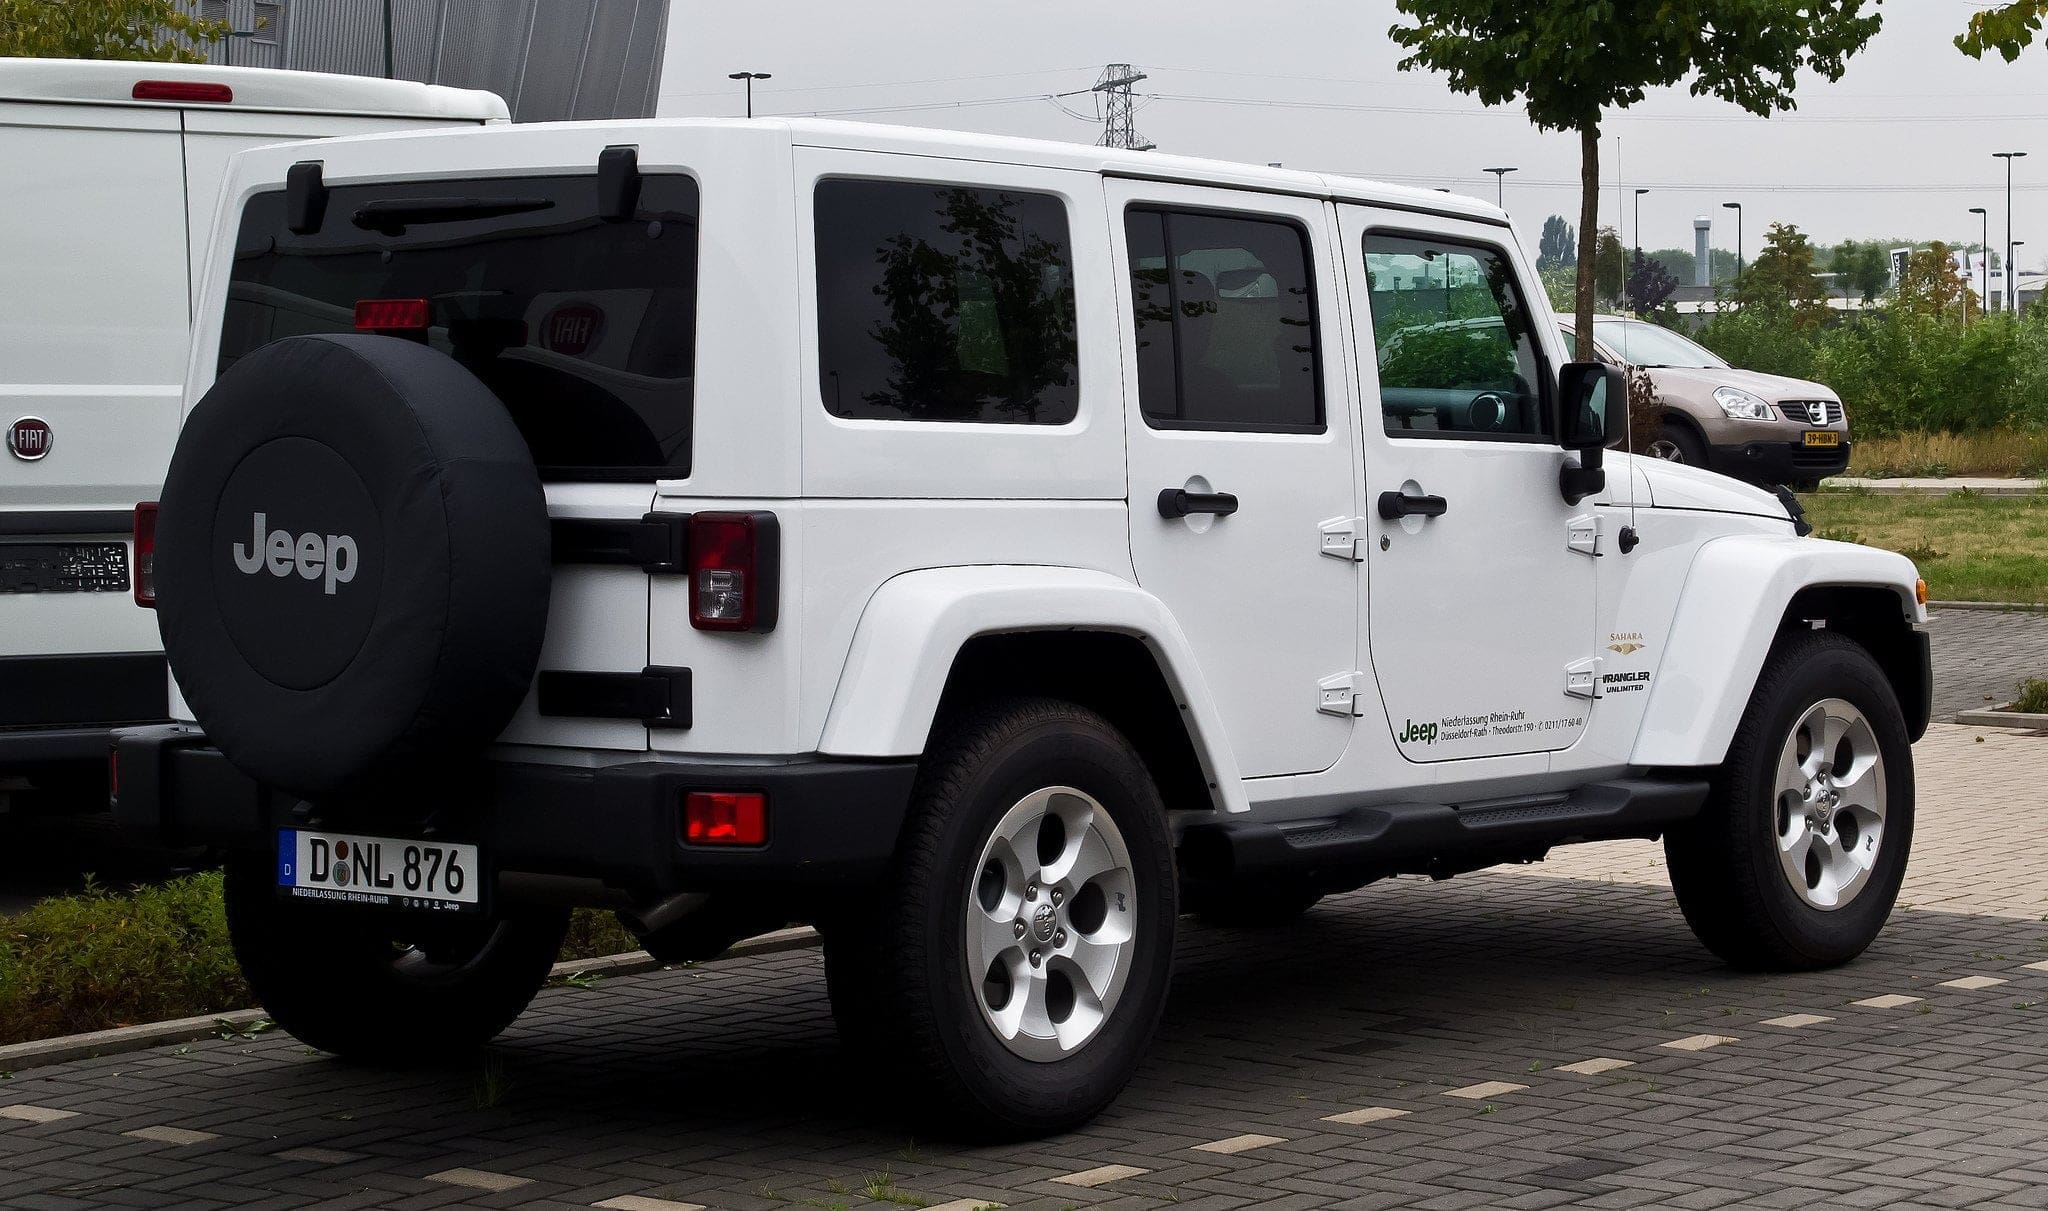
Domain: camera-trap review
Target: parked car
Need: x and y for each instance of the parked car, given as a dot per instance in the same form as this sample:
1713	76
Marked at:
981	548
1765	429
113	171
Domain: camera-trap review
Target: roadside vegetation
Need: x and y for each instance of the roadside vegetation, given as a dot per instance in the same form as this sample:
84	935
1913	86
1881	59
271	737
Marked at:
1970	547
2002	453
105	958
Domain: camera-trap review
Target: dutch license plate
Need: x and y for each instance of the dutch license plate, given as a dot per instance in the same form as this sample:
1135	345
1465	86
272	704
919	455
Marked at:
1823	437
383	872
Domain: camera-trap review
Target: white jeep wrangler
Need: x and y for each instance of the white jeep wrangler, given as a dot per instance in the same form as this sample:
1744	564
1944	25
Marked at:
983	549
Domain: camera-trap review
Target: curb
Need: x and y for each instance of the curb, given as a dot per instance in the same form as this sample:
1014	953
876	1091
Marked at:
39	1053
2003	718
1880	487
2003	607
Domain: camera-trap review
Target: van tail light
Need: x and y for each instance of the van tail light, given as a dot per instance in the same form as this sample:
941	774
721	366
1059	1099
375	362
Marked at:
725	818
198	91
145	554
394	315
735	561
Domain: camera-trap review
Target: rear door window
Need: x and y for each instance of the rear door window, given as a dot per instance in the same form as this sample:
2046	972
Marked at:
585	328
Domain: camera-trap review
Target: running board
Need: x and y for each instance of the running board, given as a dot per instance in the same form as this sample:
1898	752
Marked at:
1439	839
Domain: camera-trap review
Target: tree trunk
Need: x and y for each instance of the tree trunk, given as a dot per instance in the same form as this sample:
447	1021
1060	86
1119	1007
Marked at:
1589	235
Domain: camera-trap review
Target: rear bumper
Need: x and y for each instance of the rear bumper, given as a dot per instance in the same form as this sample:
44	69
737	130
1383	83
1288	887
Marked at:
830	823
63	709
1778	462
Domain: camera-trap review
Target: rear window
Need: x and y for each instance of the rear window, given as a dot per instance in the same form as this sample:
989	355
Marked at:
584	328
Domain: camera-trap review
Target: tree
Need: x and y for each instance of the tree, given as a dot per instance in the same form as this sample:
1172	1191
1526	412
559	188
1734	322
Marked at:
1569	62
1610	265
1785	277
2006	28
157	30
1677	262
1650	285
1560	244
1862	268
1932	286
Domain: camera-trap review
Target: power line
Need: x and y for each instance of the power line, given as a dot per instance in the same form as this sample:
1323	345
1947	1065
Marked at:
922	105
1115	86
811	88
1623	116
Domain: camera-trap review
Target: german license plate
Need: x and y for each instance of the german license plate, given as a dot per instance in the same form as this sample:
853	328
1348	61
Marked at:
387	872
1823	437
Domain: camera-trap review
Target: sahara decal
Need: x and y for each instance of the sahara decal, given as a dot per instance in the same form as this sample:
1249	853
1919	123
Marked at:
1626	643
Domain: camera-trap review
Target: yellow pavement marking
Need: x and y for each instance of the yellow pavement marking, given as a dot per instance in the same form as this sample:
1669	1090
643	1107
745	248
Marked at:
170	1135
1239	1143
1359	1118
641	1202
1595	1066
479	1179
1793	1021
1485	1089
1101	1176
1890	1000
1973	983
35	1114
1699	1042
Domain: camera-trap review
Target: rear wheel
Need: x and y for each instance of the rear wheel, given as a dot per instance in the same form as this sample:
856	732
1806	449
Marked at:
1796	861
386	988
1013	969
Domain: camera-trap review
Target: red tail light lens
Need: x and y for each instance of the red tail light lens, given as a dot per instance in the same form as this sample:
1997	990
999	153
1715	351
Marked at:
182	90
394	315
734	565
145	554
725	818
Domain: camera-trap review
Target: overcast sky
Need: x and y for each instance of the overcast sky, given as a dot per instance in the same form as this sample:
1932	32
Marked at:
1901	146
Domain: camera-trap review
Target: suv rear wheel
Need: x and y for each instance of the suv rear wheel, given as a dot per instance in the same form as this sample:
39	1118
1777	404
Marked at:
384	988
1798	857
1015	965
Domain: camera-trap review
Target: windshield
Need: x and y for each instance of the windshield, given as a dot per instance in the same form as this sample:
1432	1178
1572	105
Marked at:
1650	346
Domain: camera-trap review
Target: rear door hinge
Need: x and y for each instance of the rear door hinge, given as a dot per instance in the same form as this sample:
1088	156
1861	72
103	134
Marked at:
1582	678
1582	534
1341	536
1338	695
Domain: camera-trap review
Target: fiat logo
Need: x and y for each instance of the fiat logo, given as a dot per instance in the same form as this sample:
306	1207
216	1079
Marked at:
29	438
572	328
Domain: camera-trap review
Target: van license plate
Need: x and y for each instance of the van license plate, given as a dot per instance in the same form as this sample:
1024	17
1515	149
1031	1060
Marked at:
1823	437
378	871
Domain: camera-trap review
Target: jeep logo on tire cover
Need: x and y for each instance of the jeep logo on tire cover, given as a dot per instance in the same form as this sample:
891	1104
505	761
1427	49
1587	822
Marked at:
332	558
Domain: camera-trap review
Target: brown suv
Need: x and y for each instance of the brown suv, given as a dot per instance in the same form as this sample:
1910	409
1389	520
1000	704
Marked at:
1763	428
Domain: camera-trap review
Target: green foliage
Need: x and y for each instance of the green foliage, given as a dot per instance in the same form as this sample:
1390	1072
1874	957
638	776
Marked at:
1610	265
1784	279
1650	285
155	30
2006	28
101	959
594	933
1862	269
2032	696
1930	286
1559	246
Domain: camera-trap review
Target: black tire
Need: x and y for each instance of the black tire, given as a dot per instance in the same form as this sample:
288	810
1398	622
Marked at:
897	970
1724	864
1252	905
1685	442
344	981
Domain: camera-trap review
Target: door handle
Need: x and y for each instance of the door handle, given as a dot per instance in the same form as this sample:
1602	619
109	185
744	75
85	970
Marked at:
1179	502
1395	505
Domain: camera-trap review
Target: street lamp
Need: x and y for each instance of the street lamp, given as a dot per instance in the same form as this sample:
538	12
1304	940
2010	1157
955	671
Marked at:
1500	181
1629	281
1739	264
2012	273
1983	256
750	77
2008	157
228	48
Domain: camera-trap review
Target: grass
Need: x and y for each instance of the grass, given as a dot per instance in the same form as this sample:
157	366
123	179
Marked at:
2002	452
1969	547
2032	697
107	958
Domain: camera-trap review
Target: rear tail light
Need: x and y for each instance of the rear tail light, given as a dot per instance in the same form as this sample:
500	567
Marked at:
725	818
734	565
145	554
182	90
394	315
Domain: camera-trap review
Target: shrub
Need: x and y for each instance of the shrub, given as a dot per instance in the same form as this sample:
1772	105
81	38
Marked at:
2032	697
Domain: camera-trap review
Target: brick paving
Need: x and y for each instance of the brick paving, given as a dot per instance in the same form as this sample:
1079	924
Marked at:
1979	655
1507	1039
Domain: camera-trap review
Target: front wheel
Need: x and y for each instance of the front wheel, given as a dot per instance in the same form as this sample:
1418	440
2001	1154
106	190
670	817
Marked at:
1676	442
1797	859
1014	967
383	987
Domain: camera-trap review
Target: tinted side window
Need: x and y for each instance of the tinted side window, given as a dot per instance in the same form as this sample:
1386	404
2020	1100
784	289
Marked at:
1457	344
944	303
1225	315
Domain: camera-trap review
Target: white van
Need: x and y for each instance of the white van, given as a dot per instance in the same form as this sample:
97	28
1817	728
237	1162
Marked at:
107	195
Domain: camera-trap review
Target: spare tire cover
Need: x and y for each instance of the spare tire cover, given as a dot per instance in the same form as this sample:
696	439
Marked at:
352	562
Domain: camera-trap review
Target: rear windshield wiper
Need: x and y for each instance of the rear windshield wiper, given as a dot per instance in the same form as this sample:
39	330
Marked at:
393	216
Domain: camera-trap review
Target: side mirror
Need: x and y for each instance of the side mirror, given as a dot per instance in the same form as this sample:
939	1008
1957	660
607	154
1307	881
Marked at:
1592	414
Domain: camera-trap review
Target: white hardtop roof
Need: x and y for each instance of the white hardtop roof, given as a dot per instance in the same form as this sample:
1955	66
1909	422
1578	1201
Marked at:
112	82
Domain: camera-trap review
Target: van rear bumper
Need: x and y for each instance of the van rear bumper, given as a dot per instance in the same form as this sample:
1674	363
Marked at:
830	822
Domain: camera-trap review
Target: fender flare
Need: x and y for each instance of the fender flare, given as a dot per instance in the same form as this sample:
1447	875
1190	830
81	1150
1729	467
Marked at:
1730	610
916	623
